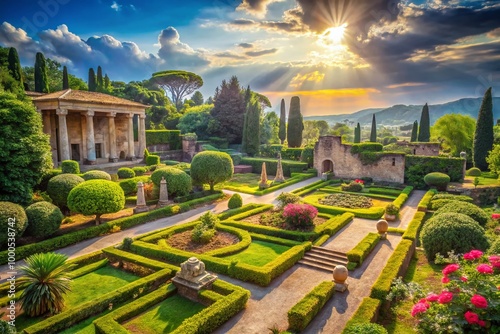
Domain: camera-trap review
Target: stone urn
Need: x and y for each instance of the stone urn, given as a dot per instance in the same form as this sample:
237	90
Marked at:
340	275
382	227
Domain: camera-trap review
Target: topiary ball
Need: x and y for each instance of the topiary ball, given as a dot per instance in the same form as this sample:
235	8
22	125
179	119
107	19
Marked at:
178	182
452	231
152	160
125	173
44	219
139	171
438	180
11	216
474	171
44	181
59	187
235	201
70	167
365	328
96	175
465	208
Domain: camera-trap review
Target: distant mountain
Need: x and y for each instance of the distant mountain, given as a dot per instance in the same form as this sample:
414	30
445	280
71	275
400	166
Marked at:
401	114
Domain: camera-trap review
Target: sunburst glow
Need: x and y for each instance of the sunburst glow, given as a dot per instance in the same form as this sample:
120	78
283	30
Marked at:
334	35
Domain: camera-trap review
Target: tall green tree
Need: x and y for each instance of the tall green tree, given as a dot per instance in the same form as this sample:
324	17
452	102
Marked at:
483	136
424	133
269	128
310	134
41	82
357	133
295	123
455	132
65	83
373	133
282	127
414	132
14	66
252	127
100	79
177	84
92	83
197	98
107	84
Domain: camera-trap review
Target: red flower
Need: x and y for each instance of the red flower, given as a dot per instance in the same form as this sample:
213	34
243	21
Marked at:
495	261
481	323
476	253
495	215
469	257
479	301
484	269
445	280
450	269
471	317
432	297
445	297
419	308
463	279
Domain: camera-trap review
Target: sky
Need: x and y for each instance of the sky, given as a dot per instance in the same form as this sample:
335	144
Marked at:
338	56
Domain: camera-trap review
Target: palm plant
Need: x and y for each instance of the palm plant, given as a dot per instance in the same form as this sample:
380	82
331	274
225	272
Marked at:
45	281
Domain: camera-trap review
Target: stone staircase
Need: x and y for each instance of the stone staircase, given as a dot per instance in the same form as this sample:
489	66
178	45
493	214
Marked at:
323	259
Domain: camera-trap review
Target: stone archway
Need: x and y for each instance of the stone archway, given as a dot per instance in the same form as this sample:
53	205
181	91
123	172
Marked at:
327	166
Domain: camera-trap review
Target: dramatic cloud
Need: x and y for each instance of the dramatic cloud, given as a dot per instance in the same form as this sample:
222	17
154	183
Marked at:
245	45
312	77
177	54
256	7
228	54
19	39
261	52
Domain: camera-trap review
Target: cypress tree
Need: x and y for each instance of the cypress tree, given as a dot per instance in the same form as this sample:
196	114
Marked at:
251	139
483	137
357	134
41	82
414	132
65	78
295	123
424	133
373	133
282	127
14	66
92	83
100	80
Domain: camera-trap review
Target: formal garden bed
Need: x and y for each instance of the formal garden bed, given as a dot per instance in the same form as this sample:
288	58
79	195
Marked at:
249	183
183	240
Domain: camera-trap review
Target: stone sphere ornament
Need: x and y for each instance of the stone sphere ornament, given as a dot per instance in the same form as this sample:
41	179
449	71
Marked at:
340	275
382	227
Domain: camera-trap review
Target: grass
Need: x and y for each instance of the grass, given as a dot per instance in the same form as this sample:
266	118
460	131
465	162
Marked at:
164	317
483	181
259	253
245	181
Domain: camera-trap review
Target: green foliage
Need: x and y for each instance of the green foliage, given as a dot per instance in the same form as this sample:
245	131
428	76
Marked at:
452	231
424	133
366	147
295	123
152	160
65	80
45	282
96	197
352	186
495	247
96	175
60	186
177	84
455	133
269	128
6	328
129	186
438	180
365	328
70	167
251	128
211	168
287	198
414	132
282	126
271	165
474	171
301	314
139	171
205	230
493	159
11	216
363	248
44	219
14	66
483	137
416	167
414	226
465	208
235	201
24	153
373	132
307	155
461	198
41	82
392	209
367	311
171	137
125	173
178	182
357	134
92	81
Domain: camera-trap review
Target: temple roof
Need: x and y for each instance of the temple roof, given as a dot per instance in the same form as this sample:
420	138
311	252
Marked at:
88	97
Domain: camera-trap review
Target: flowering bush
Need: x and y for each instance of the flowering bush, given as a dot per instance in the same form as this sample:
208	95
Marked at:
469	302
354	186
495	216
300	216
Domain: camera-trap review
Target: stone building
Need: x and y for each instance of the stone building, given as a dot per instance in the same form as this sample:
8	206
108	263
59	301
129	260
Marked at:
92	128
427	149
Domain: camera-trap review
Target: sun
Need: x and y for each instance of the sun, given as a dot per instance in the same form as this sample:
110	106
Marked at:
334	35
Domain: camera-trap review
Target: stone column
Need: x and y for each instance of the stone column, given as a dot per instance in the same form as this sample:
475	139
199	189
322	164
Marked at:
113	157
63	135
91	159
131	149
142	135
46	123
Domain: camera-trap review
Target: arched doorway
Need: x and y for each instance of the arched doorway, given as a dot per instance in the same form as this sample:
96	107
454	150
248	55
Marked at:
327	166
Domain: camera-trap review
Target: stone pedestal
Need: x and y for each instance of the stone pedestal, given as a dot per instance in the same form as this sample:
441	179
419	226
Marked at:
163	201
141	200
279	171
340	275
192	278
263	177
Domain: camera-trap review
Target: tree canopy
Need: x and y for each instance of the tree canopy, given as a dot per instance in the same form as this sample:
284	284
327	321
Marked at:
41	81
373	133
424	132
178	84
295	123
282	126
483	136
455	133
414	132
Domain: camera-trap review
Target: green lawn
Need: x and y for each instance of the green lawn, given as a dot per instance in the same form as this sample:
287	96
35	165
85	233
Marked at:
164	317
259	253
483	181
246	182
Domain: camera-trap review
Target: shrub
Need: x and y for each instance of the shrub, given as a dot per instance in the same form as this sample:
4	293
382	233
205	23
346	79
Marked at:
152	160
452	231
126	243
392	209
359	253
129	186
416	167
438	180
139	171
366	147
125	173
271	165
287	198
300	216
307	155
44	181
211	168
235	201
44	219
465	208
461	198
70	167
178	182
171	162
60	186
365	328
171	137
6	328
96	197
474	171
11	216
96	175
205	230
352	186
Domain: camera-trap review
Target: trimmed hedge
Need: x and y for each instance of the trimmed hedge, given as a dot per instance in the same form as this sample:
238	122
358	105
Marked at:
335	224
178	181
365	328
437	179
462	198
301	314
96	174
245	241
296	177
129	186
271	165
474	171
424	202
125	173
416	167
152	160
274	240
271	231
414	226
59	187
371	213
171	137
247	207
44	219
70	167
139	171
321	240
310	187
292	153
359	253
384	191
367	310
115	254
235	201
437	204
366	147
333	190
13	219
465	208
401	199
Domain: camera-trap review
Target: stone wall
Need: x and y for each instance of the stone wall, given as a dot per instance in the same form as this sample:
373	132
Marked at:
427	149
329	151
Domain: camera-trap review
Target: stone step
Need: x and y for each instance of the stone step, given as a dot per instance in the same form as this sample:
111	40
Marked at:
315	265
316	249
326	262
327	257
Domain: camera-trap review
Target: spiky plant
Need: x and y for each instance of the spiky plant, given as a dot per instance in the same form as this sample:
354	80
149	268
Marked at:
45	281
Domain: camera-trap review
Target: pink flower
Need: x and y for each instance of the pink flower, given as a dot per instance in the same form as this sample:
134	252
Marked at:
445	297
495	261
445	280
468	257
481	323
418	308
463	279
479	301
471	317
484	269
450	269
495	215
432	297
424	301
476	253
